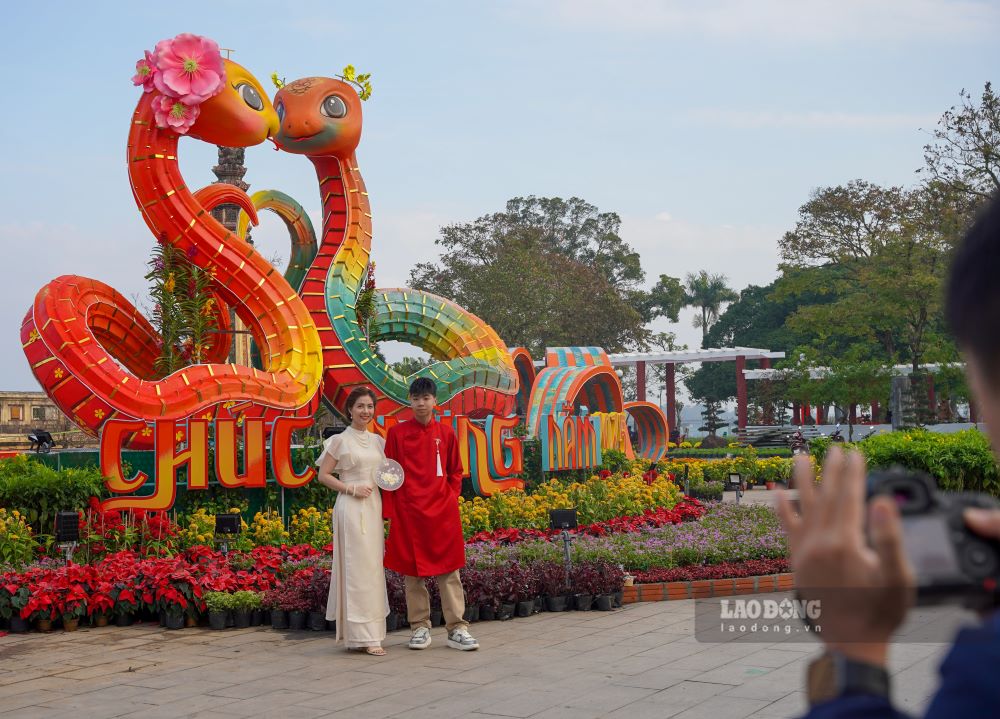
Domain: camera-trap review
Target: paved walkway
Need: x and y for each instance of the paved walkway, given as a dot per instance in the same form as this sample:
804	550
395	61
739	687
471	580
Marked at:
640	661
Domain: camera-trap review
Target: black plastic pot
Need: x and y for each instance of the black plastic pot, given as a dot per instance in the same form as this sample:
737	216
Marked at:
506	611
583	602
217	620
539	605
619	599
391	622
256	617
525	609
297	620
331	625
241	618
317	621
437	618
555	604
604	603
163	618
121	620
18	625
471	613
487	613
175	620
230	622
279	619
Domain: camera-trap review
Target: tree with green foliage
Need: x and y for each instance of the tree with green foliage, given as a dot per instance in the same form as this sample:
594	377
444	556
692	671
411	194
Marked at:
548	272
184	311
707	293
964	155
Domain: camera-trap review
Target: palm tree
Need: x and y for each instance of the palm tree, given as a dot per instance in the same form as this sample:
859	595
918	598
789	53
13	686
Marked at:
708	293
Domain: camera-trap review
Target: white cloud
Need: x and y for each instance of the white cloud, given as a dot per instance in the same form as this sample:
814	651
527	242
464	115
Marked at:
664	217
749	119
798	21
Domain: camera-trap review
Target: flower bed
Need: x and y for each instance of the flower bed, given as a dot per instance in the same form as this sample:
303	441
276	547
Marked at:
688	509
601	498
728	541
723	570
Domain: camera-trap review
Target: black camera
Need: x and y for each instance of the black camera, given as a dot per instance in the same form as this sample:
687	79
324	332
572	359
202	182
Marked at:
952	564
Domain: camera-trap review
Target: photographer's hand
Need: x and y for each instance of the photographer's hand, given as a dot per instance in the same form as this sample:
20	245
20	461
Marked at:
864	591
984	522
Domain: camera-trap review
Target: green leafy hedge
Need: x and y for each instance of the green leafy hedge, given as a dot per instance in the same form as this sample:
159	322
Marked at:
38	491
962	461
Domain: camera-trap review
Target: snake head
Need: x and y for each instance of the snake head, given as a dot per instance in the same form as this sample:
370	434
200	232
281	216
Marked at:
318	116
239	116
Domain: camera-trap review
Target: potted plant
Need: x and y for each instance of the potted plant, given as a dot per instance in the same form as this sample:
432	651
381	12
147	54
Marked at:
317	591
552	584
583	579
72	607
125	604
396	590
251	601
218	605
100	605
523	591
244	602
471	583
18	601
272	603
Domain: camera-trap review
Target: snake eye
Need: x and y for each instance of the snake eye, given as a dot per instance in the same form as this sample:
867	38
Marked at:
333	106
250	96
280	109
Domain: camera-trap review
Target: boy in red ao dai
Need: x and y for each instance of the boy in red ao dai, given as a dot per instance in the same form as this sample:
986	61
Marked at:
425	528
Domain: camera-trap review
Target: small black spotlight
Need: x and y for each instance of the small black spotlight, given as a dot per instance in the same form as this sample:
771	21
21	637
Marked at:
227	524
67	527
41	441
562	519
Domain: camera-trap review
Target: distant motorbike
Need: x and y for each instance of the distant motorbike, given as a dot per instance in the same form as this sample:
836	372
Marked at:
798	443
837	436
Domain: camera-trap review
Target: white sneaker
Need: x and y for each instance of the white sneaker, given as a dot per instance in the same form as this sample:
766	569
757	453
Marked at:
421	638
461	640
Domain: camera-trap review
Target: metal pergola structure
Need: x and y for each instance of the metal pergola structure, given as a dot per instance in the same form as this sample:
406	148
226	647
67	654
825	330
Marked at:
900	370
739	355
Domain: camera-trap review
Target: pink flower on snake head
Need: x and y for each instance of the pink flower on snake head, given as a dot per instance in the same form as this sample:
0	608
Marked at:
145	69
172	114
189	68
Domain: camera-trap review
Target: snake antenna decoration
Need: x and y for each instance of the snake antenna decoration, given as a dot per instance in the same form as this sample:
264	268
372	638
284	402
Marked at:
321	119
93	352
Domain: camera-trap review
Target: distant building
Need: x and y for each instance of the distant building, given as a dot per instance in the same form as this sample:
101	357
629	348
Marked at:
22	412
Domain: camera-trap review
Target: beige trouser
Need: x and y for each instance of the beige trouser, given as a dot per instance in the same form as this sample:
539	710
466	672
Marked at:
418	601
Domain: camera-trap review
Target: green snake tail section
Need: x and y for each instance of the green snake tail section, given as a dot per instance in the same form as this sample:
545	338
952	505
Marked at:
300	230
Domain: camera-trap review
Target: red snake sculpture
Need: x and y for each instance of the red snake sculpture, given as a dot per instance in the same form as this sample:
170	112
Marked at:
321	118
93	352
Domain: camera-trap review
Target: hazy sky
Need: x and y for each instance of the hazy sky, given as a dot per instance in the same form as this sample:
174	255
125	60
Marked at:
704	125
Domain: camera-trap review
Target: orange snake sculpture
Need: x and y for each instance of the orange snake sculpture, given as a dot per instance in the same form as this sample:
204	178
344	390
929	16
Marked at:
93	352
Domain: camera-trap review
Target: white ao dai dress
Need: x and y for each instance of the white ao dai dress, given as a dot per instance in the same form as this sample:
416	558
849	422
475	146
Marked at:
358	601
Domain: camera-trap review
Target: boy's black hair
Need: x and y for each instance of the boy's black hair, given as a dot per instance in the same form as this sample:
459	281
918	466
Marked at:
423	385
972	305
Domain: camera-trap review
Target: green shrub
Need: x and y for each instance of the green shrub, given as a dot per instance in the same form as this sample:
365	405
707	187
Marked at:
219	601
614	461
38	491
245	600
962	461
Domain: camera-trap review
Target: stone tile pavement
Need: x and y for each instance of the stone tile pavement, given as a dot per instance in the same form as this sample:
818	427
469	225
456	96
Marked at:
636	662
